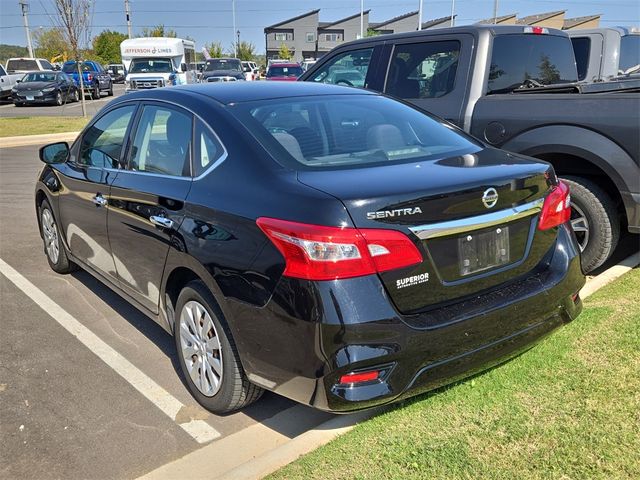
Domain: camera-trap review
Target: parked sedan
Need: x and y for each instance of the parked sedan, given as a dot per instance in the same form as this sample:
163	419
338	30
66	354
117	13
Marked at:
329	244
47	86
284	72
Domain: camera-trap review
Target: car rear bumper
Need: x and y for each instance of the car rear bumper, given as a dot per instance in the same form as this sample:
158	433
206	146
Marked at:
312	333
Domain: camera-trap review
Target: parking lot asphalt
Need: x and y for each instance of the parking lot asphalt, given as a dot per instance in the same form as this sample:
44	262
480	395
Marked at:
8	109
65	412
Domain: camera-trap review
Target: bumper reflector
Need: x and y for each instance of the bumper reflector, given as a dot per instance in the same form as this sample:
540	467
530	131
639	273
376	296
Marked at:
360	377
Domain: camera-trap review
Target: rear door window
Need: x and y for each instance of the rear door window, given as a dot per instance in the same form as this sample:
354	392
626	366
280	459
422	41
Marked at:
581	49
162	143
349	68
527	59
208	149
423	70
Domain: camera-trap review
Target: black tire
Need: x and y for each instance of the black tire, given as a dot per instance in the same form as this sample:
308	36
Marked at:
76	96
61	262
592	203
18	104
110	91
95	93
235	390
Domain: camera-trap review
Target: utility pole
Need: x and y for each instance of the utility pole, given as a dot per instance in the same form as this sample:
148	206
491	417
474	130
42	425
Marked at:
453	17
420	16
361	18
495	11
127	11
233	9
238	41
25	9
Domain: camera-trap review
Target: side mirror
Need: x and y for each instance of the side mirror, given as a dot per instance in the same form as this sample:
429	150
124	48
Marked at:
55	153
183	67
18	81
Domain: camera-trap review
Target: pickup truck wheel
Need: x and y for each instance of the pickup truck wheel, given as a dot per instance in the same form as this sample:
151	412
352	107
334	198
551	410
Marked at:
208	354
595	221
95	93
76	96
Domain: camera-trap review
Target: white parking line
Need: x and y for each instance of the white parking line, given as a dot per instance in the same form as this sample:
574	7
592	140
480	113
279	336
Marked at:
200	430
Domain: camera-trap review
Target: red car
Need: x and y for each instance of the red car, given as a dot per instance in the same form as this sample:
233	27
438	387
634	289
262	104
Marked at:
288	72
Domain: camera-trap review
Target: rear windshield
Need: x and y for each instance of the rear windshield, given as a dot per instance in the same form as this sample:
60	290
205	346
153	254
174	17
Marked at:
277	71
530	60
21	65
72	68
329	132
151	65
223	64
629	54
39	77
581	49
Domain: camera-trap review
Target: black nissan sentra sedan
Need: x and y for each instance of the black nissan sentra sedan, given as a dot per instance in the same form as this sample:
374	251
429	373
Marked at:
329	244
47	86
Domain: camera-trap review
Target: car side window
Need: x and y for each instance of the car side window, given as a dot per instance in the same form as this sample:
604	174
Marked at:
2	72
101	144
208	149
349	68
423	70
162	143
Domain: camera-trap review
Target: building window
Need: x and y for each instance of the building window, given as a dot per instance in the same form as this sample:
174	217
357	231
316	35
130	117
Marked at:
283	36
311	37
332	37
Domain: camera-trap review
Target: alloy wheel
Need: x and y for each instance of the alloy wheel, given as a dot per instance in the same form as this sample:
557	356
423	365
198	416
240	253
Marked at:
59	98
580	226
51	238
200	348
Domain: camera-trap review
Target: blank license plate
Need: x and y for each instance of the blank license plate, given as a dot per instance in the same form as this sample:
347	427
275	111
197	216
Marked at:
482	251
29	97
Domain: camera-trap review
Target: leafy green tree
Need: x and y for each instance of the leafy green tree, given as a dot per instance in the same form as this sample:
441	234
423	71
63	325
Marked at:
158	31
50	43
106	46
549	73
372	33
215	49
284	53
11	51
246	51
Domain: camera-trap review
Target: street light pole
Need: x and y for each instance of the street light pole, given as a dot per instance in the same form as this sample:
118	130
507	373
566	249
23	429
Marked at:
361	18
420	16
238	41
25	9
127	11
495	11
453	17
233	9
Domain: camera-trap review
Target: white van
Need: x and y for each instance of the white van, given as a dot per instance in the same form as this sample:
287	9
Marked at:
158	62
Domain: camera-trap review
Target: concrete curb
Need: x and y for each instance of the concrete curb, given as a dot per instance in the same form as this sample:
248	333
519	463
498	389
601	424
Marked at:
24	140
271	460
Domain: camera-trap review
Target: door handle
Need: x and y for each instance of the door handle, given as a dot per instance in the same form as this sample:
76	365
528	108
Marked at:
99	200
161	221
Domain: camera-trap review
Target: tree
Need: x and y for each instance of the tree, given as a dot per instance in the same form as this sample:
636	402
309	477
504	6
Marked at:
372	33
106	46
245	51
284	53
73	17
215	49
158	31
549	73
50	43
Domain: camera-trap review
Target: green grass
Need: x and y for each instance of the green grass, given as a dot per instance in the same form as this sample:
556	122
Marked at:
567	409
10	127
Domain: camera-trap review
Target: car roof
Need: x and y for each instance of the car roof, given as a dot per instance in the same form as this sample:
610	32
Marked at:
237	92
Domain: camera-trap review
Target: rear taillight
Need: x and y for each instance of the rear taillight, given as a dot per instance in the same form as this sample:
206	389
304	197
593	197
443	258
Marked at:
89	77
316	252
556	209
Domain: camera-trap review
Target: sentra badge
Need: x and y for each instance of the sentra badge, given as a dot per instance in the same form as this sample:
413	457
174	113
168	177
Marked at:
393	213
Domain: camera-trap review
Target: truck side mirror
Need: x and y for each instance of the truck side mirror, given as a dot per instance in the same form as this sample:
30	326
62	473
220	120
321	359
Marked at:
183	67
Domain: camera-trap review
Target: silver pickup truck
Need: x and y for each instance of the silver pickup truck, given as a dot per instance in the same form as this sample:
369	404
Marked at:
7	82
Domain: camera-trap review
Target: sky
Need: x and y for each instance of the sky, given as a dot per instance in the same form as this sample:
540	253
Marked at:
211	20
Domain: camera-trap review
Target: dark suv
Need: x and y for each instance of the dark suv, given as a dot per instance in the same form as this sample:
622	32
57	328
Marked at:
329	244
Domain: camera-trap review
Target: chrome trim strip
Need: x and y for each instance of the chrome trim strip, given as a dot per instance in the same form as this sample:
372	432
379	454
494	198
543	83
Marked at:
453	227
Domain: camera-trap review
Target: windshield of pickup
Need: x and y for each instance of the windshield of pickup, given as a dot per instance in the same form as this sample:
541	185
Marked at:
223	64
629	54
151	65
530	59
72	68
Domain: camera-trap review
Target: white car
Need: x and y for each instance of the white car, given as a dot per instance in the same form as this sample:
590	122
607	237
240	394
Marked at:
251	71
